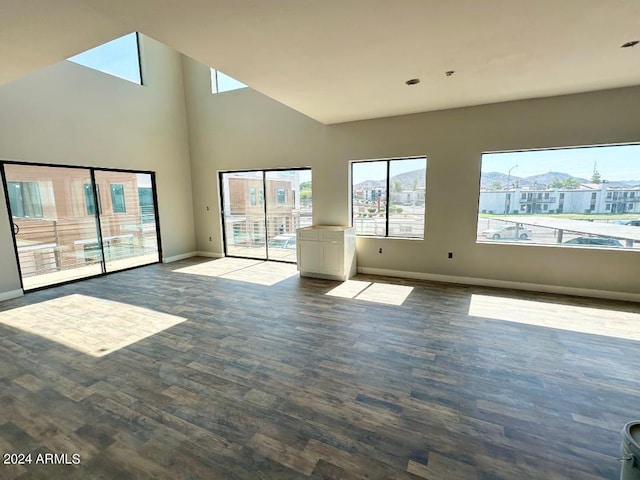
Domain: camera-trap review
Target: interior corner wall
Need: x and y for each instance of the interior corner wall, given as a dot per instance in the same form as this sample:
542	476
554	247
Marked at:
246	130
68	114
240	130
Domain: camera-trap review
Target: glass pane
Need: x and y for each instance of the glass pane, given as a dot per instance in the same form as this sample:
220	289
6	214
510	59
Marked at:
243	203
369	197
49	206
287	210
127	220
407	180
118	57
221	82
584	197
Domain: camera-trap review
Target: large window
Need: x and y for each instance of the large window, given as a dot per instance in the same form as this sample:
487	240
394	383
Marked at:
388	197
119	57
569	197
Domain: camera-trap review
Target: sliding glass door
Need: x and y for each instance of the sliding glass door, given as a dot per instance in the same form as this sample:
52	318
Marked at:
127	219
243	213
261	211
72	223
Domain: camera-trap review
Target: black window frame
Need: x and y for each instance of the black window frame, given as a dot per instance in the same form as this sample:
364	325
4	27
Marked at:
388	162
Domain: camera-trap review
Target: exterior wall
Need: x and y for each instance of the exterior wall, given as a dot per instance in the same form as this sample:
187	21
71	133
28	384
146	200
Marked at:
67	114
246	130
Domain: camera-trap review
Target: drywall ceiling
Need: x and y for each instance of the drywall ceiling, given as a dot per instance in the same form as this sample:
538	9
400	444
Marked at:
344	60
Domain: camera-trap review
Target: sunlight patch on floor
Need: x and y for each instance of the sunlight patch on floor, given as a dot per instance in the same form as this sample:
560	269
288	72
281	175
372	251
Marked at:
610	323
386	293
243	270
89	325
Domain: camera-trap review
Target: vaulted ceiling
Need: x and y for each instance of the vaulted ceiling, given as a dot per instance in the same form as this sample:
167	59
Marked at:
344	60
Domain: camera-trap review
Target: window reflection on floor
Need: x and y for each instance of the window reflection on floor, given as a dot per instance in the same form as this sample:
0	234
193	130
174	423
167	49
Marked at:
610	323
386	293
89	325
243	270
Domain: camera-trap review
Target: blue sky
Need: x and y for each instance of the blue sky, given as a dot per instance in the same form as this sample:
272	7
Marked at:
118	57
377	170
614	162
221	82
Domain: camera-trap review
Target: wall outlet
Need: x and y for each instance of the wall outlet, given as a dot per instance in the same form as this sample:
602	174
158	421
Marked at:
209	238
380	250
450	255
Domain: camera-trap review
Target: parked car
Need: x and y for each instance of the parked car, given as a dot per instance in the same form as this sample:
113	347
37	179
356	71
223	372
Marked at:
634	222
596	241
285	240
508	232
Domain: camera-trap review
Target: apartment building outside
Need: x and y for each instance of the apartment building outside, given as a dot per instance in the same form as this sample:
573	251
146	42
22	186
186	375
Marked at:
588	198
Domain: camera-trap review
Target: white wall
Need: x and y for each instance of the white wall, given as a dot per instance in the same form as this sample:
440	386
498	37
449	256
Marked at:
68	114
244	130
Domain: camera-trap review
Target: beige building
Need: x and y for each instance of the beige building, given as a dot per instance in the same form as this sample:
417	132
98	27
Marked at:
54	216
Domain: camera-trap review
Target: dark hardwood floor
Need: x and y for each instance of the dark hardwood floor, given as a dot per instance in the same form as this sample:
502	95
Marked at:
208	369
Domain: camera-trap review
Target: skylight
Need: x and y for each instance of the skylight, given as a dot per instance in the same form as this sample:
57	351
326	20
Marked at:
221	82
119	57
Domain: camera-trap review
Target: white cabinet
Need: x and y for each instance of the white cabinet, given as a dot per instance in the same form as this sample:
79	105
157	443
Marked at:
327	252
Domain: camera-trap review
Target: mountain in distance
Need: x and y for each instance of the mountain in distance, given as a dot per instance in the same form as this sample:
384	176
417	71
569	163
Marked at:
409	179
541	180
369	184
487	179
406	179
623	183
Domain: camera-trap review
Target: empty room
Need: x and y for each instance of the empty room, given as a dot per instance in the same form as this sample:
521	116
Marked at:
323	240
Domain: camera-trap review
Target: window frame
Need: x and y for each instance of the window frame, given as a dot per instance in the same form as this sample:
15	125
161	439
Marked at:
387	206
602	202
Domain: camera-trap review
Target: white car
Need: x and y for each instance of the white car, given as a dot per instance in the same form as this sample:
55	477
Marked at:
508	232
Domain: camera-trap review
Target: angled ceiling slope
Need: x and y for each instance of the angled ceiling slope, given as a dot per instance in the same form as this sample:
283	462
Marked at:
339	61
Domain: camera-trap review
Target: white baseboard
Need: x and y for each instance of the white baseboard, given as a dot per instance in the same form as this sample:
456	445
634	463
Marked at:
192	254
182	256
210	254
486	282
11	294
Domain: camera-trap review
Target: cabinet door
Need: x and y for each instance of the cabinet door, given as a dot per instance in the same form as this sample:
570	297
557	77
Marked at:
310	257
332	258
